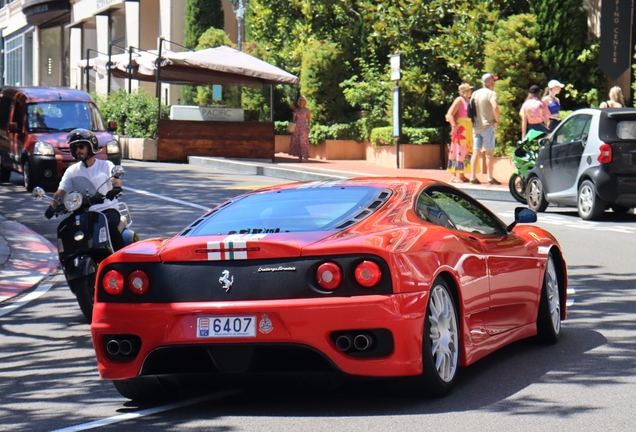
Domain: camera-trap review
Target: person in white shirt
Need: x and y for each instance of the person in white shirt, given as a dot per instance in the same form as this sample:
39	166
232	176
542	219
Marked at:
83	145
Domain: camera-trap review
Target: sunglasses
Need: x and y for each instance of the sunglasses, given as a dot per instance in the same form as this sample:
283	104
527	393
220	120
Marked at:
80	146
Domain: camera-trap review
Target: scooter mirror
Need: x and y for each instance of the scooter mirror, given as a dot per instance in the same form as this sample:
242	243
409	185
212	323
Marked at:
38	192
544	142
117	171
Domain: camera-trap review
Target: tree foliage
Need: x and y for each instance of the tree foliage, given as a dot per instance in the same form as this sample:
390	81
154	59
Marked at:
200	15
513	54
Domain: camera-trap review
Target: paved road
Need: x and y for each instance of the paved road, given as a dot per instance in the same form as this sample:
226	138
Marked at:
48	377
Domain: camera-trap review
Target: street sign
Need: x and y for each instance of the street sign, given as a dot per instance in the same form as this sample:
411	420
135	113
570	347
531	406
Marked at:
395	67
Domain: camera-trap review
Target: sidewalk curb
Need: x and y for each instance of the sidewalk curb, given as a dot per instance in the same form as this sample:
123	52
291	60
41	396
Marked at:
26	258
271	169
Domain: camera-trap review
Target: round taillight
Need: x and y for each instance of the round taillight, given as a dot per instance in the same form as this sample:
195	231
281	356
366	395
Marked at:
113	282
329	276
138	282
368	274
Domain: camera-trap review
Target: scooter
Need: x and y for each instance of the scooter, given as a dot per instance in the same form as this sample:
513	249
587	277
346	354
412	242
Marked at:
524	158
83	239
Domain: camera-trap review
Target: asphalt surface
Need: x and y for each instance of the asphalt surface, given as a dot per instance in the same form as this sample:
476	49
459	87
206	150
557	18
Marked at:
26	258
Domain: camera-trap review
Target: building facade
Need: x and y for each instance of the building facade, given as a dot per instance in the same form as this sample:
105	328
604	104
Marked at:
46	42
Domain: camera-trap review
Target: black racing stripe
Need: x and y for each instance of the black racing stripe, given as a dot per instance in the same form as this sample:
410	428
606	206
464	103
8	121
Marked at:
199	282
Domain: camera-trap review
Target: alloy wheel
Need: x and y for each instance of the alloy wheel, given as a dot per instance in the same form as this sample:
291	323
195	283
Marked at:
552	288
443	333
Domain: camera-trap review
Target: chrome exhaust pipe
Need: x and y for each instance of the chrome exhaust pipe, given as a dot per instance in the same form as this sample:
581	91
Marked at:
362	342
125	347
343	343
112	347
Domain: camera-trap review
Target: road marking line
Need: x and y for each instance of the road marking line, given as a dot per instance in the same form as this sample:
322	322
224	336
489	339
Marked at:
22	300
143	413
174	200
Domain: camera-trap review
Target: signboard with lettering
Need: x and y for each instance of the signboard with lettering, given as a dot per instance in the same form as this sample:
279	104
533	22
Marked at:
187	112
616	46
395	67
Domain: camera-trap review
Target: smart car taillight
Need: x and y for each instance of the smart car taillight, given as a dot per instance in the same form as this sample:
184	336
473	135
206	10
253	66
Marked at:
605	155
138	282
113	282
368	274
329	276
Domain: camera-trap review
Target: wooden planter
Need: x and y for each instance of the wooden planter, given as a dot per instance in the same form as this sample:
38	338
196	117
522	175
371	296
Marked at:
412	156
138	148
338	150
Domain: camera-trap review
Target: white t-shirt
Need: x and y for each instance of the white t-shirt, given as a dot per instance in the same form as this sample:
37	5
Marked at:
97	174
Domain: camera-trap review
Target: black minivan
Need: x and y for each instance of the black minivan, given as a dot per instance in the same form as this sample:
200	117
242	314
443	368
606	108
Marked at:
34	124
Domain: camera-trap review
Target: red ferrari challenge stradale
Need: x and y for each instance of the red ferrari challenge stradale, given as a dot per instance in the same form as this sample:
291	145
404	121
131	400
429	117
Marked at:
371	277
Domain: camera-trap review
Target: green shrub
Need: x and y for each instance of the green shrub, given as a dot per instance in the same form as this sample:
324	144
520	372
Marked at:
341	131
280	128
323	67
135	113
384	136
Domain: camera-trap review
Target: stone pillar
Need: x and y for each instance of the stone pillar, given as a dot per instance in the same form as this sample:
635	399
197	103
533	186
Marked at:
77	78
132	32
102	23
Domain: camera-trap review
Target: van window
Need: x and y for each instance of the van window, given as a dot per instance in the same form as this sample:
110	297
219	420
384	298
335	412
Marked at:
626	129
64	116
5	110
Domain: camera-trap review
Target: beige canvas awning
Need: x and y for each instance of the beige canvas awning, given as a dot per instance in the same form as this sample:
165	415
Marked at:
220	65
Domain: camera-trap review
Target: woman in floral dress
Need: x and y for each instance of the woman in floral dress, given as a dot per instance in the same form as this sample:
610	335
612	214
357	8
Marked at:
299	145
461	147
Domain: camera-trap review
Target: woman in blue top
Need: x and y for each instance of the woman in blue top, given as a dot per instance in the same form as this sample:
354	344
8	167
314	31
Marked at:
552	101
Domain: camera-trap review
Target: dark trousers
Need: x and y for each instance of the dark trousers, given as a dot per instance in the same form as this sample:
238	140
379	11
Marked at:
114	219
553	124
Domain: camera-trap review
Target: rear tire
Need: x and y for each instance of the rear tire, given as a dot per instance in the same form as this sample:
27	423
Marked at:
148	388
84	289
589	205
517	190
5	173
535	195
29	178
549	317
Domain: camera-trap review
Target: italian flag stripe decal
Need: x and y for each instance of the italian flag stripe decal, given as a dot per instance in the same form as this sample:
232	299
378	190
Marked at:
232	247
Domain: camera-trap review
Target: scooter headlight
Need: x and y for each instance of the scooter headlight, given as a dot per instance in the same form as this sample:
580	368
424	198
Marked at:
73	201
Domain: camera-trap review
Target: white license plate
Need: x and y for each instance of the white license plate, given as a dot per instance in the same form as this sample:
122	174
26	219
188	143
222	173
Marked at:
226	327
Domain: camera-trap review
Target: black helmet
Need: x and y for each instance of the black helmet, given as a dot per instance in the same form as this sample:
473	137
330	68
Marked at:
77	136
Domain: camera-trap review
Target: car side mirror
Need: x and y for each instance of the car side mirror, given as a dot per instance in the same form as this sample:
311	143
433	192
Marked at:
522	215
543	142
13	127
112	126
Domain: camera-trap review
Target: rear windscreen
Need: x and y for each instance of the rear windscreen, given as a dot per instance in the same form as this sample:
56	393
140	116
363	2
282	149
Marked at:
291	210
626	129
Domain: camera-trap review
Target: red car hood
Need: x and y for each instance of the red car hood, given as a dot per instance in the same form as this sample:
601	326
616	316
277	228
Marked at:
227	247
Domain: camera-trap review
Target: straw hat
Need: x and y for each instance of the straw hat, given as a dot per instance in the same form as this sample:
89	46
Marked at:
464	87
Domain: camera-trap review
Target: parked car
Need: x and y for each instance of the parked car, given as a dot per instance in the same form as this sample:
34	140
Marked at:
589	162
376	277
34	123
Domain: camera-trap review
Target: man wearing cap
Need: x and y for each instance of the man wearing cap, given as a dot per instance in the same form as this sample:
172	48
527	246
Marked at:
553	103
486	120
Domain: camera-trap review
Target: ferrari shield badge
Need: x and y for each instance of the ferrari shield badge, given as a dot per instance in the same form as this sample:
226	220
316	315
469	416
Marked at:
534	236
265	325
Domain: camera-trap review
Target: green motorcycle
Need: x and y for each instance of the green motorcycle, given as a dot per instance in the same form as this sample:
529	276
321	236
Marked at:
524	158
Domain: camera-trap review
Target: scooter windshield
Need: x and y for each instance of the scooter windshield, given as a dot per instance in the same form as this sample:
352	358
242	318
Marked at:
82	185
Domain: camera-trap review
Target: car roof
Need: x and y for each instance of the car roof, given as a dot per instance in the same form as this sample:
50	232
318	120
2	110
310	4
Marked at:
46	94
393	183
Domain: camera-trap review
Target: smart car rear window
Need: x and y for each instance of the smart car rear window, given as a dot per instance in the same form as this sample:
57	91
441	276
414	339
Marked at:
293	210
626	129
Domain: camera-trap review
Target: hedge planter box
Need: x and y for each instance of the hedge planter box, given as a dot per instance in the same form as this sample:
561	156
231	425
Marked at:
281	143
338	150
412	156
138	148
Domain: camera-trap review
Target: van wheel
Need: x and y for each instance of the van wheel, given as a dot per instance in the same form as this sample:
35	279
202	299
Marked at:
535	195
5	172
27	173
590	206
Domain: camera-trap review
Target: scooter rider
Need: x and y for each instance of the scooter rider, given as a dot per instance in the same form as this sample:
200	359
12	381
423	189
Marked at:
83	145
